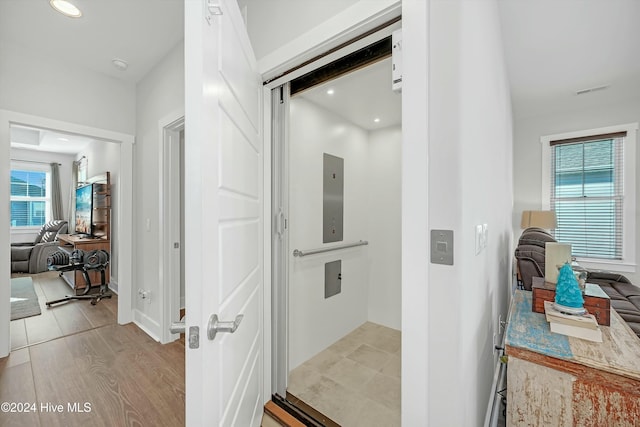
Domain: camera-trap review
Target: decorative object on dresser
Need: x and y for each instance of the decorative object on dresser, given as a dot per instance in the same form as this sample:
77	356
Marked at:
568	295
596	301
583	326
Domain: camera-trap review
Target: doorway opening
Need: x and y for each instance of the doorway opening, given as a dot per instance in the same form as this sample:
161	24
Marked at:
337	243
48	169
172	207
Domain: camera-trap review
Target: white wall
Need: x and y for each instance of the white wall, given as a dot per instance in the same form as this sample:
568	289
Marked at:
470	183
316	322
104	157
159	94
308	15
66	161
384	226
47	87
528	154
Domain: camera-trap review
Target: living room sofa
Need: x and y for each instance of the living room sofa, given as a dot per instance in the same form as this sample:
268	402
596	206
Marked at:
625	297
32	257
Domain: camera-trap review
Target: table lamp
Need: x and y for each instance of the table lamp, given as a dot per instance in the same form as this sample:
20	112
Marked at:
546	220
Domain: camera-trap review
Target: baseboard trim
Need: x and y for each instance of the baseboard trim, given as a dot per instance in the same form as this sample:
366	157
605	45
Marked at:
147	324
113	285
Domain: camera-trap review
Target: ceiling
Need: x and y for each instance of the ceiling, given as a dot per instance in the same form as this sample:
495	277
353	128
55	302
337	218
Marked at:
554	48
140	32
28	138
361	96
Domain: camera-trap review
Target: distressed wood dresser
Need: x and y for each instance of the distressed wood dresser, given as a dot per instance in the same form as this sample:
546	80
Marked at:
556	380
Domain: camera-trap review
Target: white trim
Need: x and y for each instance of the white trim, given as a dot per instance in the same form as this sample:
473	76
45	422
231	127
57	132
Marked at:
169	291
359	44
147	324
355	20
125	217
628	263
266	239
415	182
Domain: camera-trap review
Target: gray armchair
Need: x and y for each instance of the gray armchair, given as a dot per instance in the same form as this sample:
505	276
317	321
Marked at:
32	257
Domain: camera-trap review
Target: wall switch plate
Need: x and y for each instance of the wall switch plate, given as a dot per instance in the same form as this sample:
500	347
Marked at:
478	239
442	247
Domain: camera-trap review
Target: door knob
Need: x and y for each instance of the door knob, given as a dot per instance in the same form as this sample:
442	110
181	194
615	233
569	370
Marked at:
215	326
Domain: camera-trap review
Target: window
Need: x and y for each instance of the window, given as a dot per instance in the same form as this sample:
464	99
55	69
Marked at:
590	184
30	202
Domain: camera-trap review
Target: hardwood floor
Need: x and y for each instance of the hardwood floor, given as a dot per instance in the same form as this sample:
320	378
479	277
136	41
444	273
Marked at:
76	359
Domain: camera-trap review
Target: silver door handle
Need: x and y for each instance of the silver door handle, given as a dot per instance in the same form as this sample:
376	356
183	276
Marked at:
216	326
177	328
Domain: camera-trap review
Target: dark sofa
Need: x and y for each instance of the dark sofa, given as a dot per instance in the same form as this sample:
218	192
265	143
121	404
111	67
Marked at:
32	257
625	297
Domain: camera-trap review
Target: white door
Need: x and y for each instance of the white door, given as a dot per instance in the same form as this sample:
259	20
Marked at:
223	225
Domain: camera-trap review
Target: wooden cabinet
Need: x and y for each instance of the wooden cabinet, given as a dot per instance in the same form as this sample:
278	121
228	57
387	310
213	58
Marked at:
557	380
69	243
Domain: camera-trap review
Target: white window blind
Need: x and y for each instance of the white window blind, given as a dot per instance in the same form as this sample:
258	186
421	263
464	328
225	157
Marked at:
29	198
587	194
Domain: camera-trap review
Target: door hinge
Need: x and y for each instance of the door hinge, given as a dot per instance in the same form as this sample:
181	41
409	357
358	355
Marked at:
194	337
212	8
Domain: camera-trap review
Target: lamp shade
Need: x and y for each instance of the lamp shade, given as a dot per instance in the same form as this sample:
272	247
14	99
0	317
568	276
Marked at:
542	219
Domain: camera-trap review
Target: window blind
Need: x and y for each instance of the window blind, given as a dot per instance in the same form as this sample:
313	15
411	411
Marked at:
587	194
28	198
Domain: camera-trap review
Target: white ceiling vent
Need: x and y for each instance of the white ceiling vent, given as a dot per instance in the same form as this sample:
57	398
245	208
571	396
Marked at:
592	89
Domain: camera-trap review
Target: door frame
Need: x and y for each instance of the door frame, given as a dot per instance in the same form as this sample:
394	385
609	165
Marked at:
124	214
354	22
170	203
364	15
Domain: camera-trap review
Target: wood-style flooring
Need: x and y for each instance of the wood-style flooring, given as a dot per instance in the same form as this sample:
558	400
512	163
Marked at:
75	359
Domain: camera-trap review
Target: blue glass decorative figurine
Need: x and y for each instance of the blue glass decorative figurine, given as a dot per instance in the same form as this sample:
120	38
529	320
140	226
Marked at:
568	294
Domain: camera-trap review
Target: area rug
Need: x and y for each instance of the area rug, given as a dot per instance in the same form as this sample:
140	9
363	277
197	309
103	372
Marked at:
24	300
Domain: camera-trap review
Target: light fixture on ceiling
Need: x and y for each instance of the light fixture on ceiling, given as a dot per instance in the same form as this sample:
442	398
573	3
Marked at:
376	120
65	8
63	139
330	92
120	64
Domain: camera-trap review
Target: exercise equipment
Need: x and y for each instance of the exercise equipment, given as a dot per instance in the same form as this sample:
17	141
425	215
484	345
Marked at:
85	262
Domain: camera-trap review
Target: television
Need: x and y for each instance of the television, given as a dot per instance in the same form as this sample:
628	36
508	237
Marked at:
84	210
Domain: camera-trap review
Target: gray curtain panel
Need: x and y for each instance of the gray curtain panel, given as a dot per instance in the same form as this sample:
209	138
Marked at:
72	196
56	194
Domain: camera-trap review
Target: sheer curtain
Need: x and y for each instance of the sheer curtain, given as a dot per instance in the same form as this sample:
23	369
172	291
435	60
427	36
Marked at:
56	194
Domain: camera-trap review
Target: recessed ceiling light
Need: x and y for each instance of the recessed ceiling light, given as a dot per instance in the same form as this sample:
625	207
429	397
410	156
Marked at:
330	92
63	139
376	120
65	8
120	64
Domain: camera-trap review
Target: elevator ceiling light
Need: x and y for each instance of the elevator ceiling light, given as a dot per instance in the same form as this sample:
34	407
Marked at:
65	8
330	92
120	64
